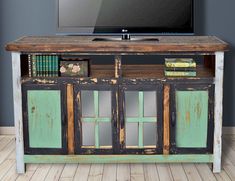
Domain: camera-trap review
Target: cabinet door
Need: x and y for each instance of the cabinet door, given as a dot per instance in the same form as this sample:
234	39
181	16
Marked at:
192	118
95	119
44	119
141	119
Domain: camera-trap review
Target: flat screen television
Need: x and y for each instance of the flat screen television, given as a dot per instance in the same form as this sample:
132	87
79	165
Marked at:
115	17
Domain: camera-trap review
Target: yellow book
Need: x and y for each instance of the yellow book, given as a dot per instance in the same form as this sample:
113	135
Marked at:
180	62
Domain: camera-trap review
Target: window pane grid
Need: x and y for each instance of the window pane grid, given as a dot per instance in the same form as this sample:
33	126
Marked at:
96	119
141	119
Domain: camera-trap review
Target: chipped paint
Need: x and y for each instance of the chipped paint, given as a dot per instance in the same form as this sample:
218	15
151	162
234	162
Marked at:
114	81
94	80
122	135
44	81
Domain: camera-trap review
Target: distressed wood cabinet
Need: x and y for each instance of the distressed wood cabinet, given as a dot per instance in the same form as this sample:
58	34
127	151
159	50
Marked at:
44	119
122	113
192	118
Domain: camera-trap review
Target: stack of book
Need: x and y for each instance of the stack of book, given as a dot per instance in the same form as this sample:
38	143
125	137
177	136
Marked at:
180	67
43	65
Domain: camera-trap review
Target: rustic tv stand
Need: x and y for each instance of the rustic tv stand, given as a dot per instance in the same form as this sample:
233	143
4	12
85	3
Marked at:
136	114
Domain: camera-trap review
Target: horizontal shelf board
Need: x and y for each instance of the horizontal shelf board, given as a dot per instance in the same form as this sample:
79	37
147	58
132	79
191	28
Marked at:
129	72
85	44
202	158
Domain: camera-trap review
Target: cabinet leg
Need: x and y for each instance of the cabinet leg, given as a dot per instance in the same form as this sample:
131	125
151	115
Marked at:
219	72
17	96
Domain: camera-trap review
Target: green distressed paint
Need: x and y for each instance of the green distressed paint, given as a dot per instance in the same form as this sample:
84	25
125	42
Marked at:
97	119
199	158
144	119
97	144
141	136
44	118
191	119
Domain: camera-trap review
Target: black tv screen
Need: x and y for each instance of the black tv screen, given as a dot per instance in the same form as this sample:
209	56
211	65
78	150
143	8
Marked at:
132	16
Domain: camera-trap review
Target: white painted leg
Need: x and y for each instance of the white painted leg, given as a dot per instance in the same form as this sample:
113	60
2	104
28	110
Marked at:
17	96
218	112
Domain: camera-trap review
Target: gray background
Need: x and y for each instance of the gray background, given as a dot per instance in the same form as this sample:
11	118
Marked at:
31	17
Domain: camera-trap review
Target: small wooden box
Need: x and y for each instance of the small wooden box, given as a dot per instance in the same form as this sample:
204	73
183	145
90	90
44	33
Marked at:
78	68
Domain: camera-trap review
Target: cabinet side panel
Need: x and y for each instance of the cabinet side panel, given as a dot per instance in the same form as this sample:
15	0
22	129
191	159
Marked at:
191	119
44	113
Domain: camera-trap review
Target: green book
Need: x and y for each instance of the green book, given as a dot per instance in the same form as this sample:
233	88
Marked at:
49	66
41	65
180	62
56	65
46	66
180	68
180	73
34	66
35	57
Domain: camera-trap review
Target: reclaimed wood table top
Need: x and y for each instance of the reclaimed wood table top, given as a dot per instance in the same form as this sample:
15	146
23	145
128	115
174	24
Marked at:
67	44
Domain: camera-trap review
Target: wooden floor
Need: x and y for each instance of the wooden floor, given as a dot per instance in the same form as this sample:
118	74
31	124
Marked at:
109	172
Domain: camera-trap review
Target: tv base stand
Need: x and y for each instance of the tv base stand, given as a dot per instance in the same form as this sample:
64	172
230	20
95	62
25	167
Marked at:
127	38
135	113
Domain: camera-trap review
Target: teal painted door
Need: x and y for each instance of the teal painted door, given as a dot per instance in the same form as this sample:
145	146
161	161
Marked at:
44	119
192	118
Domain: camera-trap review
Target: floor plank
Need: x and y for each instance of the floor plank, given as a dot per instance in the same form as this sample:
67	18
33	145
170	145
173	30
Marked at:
191	172
25	177
82	172
69	170
7	150
164	172
150	172
123	172
5	166
222	176
96	172
11	175
54	172
41	172
110	172
205	172
177	172
137	172
5	141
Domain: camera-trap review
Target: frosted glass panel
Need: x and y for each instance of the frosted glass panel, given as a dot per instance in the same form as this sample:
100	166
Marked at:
88	134
132	105
150	108
131	134
87	103
105	104
105	134
150	134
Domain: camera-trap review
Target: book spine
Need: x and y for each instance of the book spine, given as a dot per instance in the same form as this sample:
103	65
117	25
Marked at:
49	66
29	65
180	64
46	66
37	65
56	65
53	65
34	66
181	73
41	65
180	68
